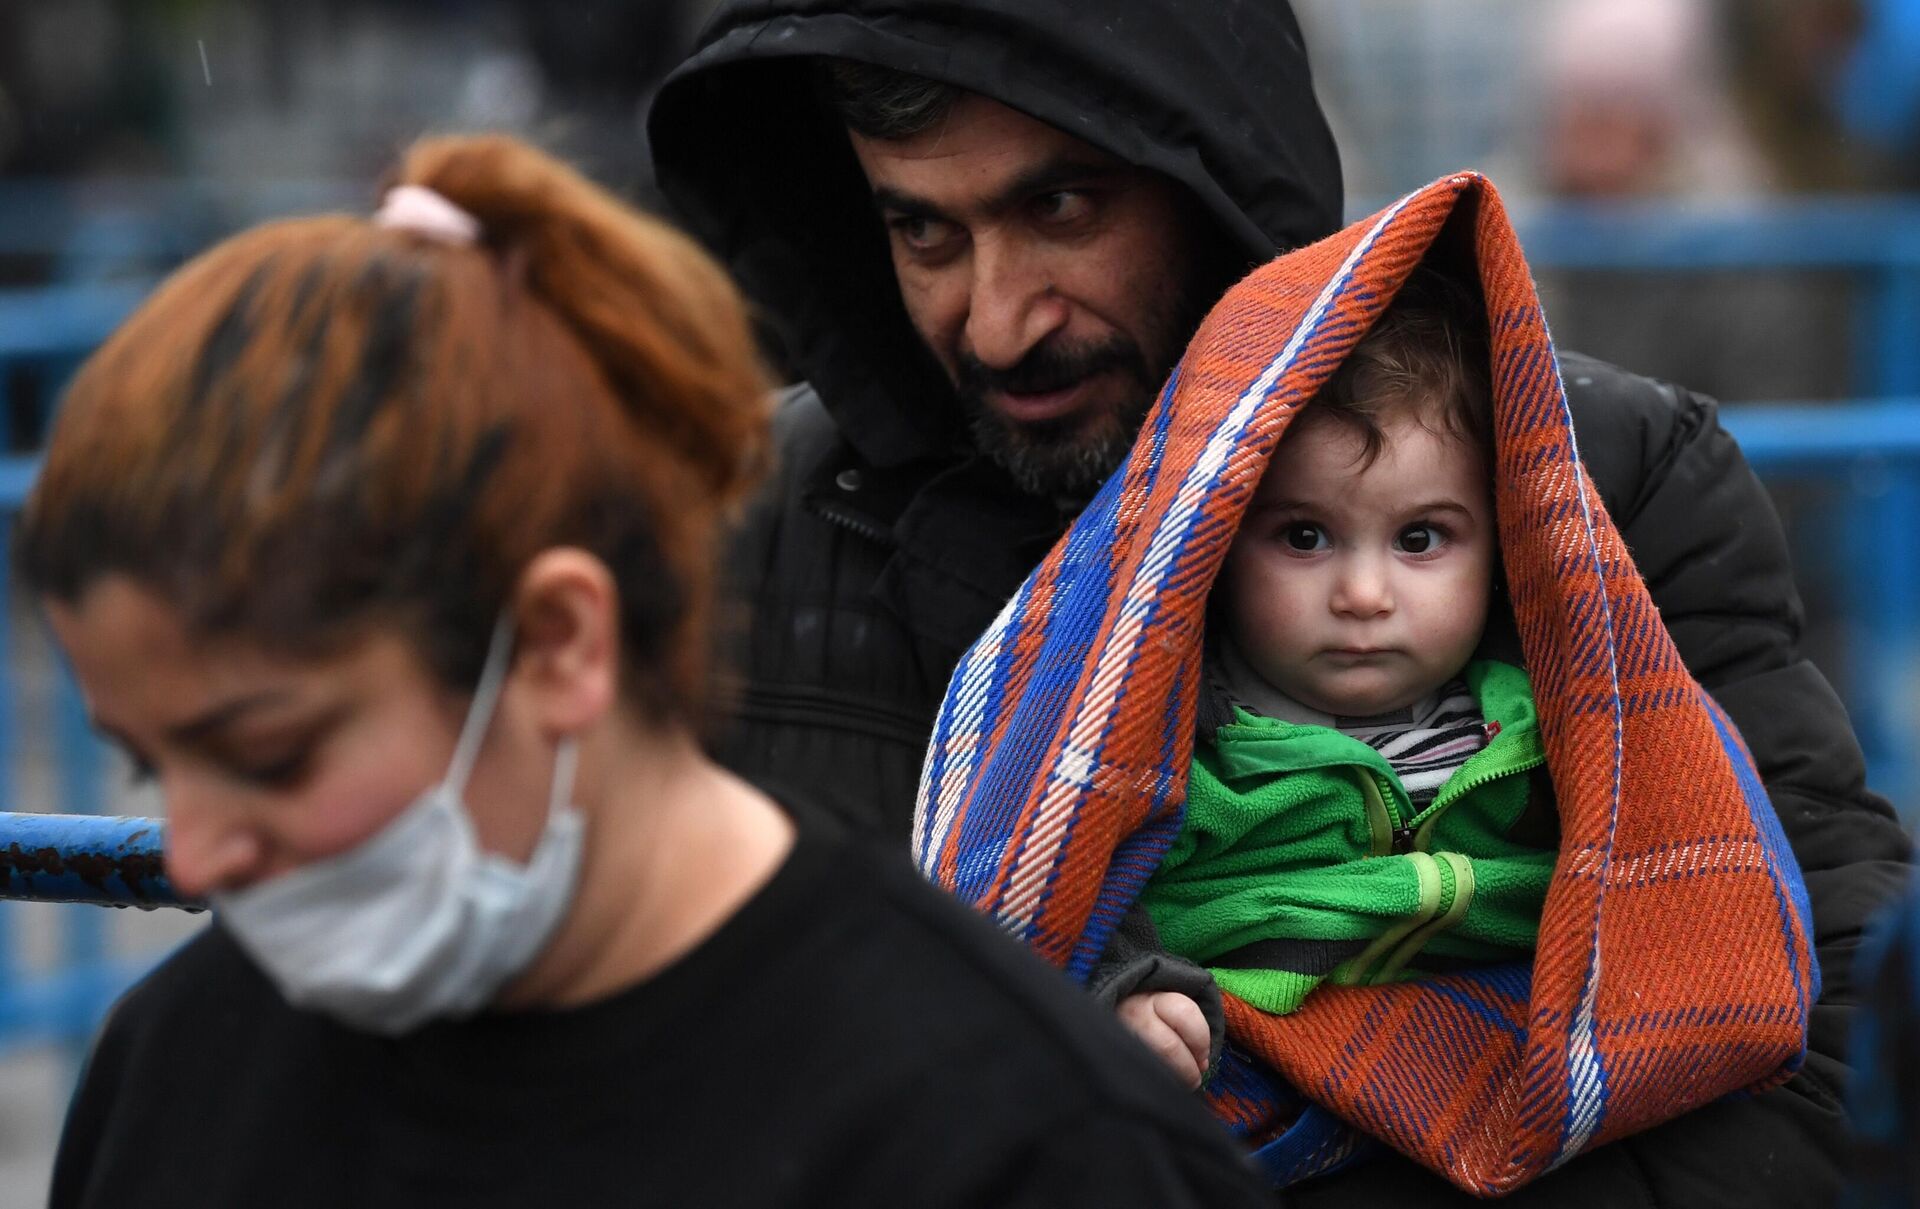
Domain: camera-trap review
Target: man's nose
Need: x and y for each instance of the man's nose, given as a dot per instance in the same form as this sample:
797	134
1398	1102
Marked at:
209	847
1362	588
1013	306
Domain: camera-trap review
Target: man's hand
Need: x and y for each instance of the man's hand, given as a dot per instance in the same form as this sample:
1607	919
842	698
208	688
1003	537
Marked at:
1173	1028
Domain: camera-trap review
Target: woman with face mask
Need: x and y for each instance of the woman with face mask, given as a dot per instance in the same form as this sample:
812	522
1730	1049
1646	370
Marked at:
385	548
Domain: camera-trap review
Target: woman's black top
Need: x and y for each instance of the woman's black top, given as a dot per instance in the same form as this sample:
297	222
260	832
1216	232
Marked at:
849	1038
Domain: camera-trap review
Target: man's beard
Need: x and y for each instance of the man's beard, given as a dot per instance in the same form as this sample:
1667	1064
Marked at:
1070	456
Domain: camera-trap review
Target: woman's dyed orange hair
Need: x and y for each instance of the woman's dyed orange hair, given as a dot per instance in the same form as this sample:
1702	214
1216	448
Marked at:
322	424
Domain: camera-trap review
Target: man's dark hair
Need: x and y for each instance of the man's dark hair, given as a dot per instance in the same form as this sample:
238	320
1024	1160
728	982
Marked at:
1427	357
883	102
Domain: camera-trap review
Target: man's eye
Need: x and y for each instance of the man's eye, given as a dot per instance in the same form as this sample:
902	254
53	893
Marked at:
1063	206
1419	539
920	233
1304	537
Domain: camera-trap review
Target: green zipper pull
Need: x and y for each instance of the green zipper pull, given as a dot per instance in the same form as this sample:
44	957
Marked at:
1391	835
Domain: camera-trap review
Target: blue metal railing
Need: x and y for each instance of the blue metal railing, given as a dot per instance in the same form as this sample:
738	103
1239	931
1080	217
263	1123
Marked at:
105	859
1876	240
1874	449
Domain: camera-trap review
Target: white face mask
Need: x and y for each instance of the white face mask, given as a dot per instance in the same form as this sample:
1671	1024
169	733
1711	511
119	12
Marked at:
417	922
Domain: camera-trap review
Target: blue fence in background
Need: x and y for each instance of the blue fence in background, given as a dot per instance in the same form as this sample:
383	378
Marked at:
1868	448
1867	452
1877	240
1873	448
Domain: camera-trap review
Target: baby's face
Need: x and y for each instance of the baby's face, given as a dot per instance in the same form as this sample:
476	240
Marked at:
1359	591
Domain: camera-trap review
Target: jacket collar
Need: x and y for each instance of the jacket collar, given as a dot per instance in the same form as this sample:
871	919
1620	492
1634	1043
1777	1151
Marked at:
962	537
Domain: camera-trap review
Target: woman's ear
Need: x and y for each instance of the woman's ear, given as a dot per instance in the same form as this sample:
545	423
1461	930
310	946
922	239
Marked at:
566	611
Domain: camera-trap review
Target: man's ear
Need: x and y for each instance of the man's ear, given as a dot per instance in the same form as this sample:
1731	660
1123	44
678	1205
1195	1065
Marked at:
566	611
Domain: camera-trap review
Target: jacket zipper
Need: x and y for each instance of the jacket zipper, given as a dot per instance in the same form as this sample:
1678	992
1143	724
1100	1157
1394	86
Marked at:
1395	835
1383	819
852	523
1421	825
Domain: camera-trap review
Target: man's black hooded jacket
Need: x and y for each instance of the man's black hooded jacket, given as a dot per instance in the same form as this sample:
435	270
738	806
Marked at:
885	546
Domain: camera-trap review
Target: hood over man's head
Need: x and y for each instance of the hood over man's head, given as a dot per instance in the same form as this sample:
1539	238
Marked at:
1011	262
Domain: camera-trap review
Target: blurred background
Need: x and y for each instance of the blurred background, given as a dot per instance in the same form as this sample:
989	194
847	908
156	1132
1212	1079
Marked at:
1725	193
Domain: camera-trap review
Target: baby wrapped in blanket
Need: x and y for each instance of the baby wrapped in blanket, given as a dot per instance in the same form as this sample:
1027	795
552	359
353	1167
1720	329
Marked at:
1363	804
1669	930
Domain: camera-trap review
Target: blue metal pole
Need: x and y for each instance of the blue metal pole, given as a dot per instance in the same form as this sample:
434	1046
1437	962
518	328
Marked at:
12	977
1887	652
1896	331
1825	438
110	860
89	991
1894	632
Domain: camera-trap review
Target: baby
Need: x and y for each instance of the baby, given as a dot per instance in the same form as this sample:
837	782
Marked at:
1368	798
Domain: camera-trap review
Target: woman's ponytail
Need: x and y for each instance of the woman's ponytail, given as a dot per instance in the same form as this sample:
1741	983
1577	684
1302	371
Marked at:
658	316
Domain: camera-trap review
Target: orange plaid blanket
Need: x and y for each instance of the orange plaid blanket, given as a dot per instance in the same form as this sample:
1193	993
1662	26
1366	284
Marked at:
1674	964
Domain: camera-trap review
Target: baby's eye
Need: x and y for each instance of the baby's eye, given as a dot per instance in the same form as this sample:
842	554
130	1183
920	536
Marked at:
1419	539
1304	537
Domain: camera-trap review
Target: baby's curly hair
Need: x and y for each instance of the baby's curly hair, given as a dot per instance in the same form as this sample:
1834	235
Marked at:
1427	357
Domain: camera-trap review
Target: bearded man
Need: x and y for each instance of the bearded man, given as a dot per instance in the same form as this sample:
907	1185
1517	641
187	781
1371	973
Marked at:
984	231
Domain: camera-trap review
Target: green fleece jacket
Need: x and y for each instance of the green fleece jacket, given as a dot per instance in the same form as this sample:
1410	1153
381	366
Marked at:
1301	858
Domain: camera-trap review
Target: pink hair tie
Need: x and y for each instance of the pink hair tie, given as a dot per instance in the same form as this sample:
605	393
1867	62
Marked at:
419	209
